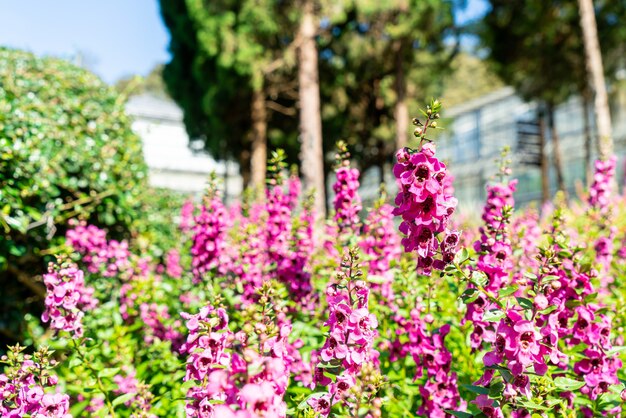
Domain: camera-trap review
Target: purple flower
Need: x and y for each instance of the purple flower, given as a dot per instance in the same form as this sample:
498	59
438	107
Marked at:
424	206
347	202
67	298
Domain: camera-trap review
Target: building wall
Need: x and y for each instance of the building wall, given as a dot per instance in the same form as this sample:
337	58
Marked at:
476	132
171	162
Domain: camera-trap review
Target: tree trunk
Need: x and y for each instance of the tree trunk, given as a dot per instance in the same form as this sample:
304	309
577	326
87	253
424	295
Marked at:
596	74
545	179
244	168
224	158
312	156
588	138
258	159
401	111
556	149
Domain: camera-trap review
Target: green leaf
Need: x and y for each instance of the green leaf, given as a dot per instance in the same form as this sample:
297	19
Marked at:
123	398
507	291
495	390
573	303
78	407
479	278
549	278
108	372
459	414
525	303
188	385
530	405
566	384
493	315
376	279
477	389
470	295
462	255
548	310
74	362
616	350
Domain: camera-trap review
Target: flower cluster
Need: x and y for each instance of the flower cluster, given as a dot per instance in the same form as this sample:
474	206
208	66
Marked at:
564	317
142	402
99	255
209	231
208	359
277	229
297	267
583	324
23	386
604	256
294	190
232	378
186	216
126	383
600	190
249	268
172	264
381	247
424	207
347	202
349	344
137	305
495	257
525	235
154	317
520	345
67	298
440	390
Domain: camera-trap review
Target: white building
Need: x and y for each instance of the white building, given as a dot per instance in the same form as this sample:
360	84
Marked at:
172	163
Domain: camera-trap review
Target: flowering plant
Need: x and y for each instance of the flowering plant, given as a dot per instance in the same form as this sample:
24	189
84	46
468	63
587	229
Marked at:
260	312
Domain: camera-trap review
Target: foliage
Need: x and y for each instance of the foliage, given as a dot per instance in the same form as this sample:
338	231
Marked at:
470	78
66	151
221	51
362	51
156	230
549	64
224	51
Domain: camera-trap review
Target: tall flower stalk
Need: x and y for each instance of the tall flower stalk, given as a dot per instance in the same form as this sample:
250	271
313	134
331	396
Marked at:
422	202
349	342
347	202
208	251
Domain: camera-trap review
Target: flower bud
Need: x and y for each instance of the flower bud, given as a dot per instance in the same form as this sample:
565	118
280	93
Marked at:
541	302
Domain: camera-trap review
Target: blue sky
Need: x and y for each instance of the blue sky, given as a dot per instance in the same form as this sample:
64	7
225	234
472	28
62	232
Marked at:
117	37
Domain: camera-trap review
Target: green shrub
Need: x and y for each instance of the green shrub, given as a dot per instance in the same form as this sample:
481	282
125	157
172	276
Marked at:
66	151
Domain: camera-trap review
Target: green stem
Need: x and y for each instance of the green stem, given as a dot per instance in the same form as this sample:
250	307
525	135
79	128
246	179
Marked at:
487	293
94	374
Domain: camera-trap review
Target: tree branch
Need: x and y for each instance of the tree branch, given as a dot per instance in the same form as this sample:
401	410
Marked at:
288	111
29	281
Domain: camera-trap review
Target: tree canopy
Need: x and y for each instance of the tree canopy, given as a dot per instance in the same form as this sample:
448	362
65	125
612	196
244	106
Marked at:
376	62
537	47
